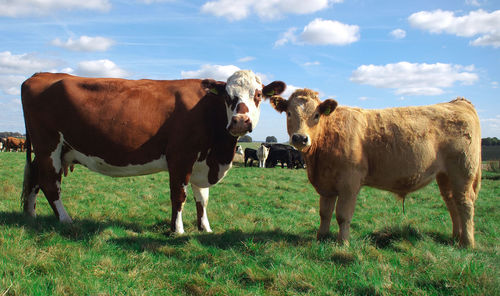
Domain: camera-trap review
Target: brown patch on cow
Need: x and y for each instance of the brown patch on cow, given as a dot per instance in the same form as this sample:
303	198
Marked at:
257	97
242	108
199	214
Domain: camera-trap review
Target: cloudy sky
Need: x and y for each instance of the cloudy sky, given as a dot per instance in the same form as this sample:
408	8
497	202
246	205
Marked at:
365	53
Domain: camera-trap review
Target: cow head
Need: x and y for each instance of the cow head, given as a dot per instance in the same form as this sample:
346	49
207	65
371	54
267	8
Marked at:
244	93
304	111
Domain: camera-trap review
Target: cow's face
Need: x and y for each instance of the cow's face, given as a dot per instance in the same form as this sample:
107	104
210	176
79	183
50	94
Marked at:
303	111
245	92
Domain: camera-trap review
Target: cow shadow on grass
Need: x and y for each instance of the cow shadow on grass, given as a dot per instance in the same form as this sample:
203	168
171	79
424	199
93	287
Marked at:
79	230
388	236
145	237
229	239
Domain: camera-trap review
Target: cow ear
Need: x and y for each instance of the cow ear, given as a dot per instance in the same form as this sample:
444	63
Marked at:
278	103
273	88
327	107
215	87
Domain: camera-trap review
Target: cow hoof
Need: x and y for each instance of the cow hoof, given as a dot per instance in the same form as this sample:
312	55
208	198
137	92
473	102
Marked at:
66	220
323	236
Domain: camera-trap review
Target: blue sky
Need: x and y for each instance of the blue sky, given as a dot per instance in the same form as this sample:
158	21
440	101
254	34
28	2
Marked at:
365	53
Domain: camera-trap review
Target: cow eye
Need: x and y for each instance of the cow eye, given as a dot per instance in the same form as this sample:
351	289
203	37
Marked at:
316	116
288	113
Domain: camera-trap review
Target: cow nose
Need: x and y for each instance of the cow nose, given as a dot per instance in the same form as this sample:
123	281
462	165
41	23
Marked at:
299	139
240	125
241	120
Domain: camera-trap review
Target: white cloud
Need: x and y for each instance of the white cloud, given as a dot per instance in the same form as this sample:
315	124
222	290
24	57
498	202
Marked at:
11	84
288	36
18	8
100	68
154	1
315	63
477	22
398	33
12	115
216	72
85	43
485	40
234	10
322	32
494	84
413	78
23	63
246	59
472	2
289	90
490	127
327	32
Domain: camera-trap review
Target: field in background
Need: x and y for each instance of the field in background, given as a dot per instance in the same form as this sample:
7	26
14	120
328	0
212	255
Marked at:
264	222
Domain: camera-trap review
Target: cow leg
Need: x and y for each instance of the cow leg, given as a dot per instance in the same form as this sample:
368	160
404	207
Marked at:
50	183
443	182
344	210
178	198
326	206
30	188
465	206
201	198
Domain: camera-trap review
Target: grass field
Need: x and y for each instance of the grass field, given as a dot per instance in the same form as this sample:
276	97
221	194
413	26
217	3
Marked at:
264	222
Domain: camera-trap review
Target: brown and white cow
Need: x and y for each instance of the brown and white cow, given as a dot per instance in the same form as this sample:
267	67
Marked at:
120	127
396	149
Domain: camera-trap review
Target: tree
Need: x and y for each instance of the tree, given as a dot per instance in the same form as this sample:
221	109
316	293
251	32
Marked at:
245	138
271	139
490	141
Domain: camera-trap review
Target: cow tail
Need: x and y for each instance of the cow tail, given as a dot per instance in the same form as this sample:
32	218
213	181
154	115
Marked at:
28	173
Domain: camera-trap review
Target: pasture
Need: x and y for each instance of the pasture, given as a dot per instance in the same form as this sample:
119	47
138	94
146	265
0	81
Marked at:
264	240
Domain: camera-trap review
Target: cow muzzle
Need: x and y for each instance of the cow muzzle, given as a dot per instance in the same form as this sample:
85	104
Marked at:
240	125
300	141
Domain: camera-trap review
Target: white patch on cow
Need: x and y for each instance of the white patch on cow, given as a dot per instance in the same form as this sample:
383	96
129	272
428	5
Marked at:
31	202
201	196
63	215
199	174
242	85
56	155
99	165
179	225
223	169
239	150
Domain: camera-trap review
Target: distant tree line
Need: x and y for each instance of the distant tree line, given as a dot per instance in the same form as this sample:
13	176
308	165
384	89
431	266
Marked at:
248	139
271	139
11	134
245	139
490	141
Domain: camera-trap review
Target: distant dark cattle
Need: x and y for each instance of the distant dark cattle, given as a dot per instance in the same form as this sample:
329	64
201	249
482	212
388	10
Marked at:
296	159
250	154
14	144
279	153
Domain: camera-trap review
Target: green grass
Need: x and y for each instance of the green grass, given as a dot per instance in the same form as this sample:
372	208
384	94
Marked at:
264	222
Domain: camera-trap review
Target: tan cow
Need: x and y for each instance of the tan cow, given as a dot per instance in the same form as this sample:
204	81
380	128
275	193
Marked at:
15	144
396	149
